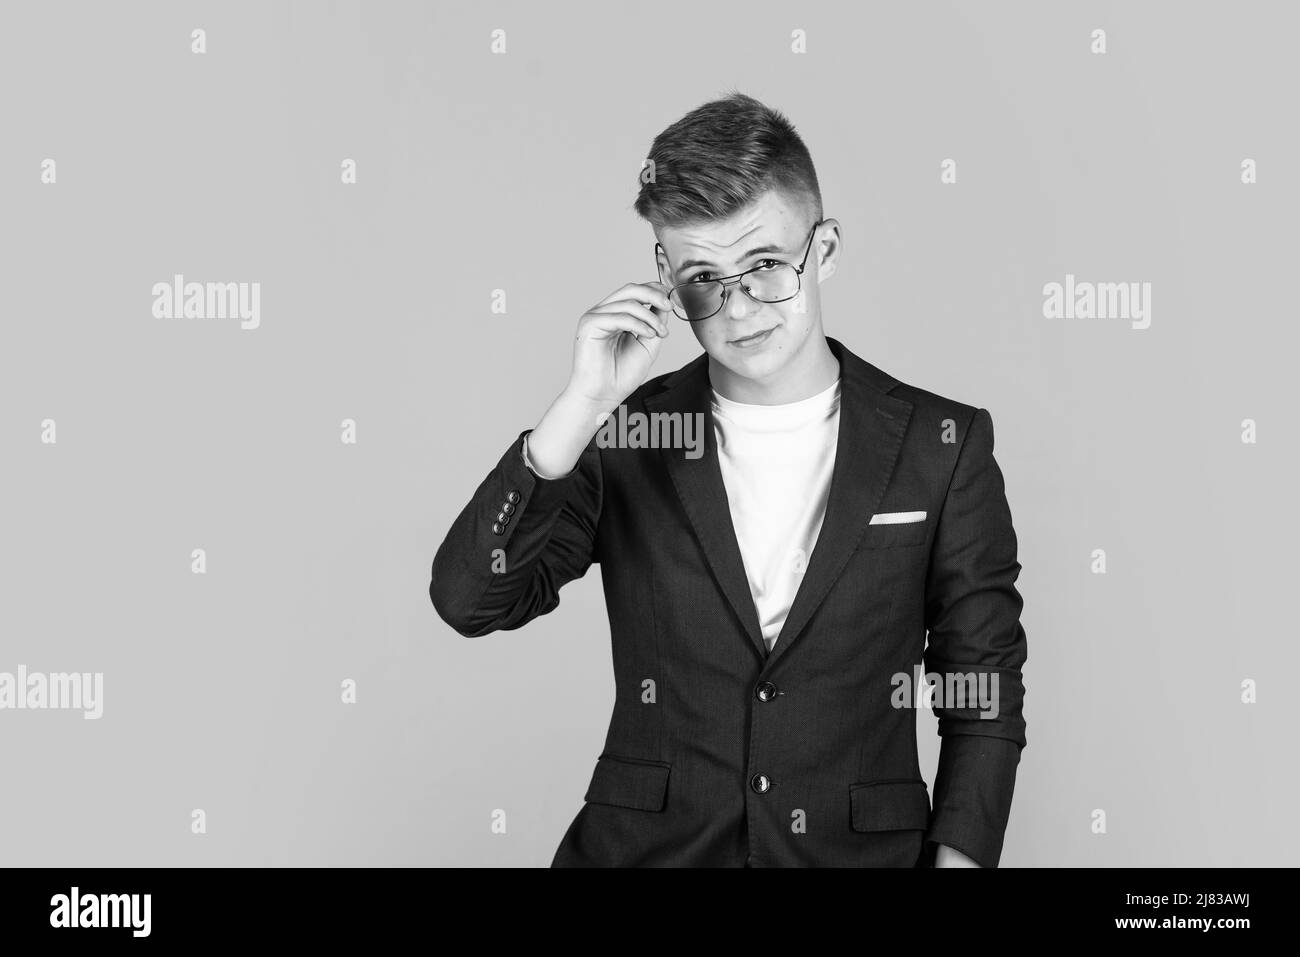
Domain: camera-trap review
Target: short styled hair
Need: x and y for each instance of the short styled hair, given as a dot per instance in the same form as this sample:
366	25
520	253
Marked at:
719	158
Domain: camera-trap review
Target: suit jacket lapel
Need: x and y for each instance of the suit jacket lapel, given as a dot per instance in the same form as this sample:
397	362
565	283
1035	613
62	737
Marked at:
872	425
703	495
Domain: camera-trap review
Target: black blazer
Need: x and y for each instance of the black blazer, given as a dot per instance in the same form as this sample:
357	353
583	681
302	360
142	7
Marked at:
719	753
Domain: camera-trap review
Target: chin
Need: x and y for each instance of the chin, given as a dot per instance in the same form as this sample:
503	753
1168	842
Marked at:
762	365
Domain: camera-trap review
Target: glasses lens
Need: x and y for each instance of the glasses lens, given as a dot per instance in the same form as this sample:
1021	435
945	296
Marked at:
697	300
772	283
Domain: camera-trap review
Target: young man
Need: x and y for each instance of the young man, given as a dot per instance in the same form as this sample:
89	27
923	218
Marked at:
769	595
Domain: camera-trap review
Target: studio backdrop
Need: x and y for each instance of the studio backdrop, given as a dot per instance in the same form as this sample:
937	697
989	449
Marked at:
220	510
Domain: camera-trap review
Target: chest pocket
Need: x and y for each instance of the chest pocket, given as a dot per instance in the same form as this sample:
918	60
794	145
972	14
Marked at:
896	534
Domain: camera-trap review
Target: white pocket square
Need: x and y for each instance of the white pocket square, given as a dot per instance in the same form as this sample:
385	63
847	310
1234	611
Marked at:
897	518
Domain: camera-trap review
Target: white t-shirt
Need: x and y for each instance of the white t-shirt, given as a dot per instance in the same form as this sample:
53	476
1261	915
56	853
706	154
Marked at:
776	463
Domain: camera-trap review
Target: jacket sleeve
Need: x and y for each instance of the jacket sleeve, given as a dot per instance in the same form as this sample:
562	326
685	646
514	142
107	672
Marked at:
516	543
972	613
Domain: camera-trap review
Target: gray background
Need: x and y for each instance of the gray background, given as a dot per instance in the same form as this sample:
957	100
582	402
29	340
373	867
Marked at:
517	171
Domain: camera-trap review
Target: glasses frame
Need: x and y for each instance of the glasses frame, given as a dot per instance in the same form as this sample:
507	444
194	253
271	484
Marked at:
728	281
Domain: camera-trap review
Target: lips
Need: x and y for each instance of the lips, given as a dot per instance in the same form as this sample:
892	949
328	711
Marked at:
753	340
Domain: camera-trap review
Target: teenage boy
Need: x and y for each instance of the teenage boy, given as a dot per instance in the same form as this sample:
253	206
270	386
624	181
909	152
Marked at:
774	595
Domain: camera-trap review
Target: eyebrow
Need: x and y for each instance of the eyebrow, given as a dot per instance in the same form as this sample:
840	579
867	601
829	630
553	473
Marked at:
691	263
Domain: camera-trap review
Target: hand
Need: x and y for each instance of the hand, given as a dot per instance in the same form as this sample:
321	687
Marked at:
617	342
951	857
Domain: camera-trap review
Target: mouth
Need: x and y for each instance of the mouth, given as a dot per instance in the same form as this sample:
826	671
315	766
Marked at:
749	342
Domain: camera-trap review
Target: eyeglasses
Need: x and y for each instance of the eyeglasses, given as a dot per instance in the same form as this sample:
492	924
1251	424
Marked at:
775	282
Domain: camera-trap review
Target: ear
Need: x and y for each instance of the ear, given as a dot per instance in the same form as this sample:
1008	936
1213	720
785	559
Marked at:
827	248
661	260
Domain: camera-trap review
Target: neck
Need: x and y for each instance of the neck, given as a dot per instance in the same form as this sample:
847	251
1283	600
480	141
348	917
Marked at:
811	371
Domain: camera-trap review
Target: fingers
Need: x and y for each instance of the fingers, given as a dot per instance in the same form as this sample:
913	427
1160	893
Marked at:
602	325
634	308
654	293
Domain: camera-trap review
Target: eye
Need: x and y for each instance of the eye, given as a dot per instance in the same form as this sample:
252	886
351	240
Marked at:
700	277
773	263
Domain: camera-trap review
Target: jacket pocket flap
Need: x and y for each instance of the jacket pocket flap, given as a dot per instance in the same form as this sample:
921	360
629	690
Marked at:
890	805
625	782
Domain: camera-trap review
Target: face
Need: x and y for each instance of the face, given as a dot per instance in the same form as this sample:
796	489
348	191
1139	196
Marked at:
755	341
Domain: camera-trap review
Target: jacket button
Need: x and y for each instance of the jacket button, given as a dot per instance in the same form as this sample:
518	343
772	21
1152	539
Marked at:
512	497
765	691
507	508
760	783
503	518
498	529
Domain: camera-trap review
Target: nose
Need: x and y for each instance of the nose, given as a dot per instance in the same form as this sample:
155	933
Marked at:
737	304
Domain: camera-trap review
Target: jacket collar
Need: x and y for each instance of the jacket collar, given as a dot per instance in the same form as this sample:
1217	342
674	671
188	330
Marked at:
871	429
